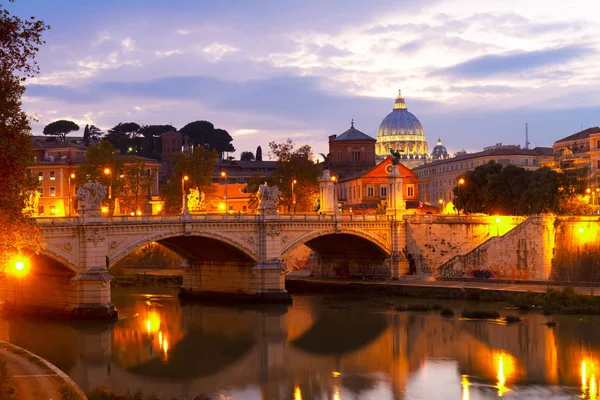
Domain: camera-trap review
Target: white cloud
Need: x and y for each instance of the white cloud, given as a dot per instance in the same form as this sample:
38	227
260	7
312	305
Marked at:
244	131
216	51
128	44
167	53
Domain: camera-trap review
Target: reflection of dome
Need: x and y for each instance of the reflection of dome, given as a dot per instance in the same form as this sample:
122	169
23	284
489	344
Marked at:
401	130
439	152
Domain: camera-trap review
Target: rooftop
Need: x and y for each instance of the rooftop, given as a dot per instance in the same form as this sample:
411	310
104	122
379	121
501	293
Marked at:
584	134
353	134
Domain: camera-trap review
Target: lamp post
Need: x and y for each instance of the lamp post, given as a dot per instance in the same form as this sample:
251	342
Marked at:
224	175
498	226
72	176
335	197
183	179
107	172
294	196
441	201
461	181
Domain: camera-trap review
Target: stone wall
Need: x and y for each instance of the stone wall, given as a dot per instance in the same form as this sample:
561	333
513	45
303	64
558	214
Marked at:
577	252
433	240
515	248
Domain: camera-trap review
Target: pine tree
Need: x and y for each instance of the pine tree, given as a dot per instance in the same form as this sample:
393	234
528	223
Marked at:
258	153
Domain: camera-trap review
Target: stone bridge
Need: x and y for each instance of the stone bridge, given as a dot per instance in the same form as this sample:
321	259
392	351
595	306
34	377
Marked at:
227	255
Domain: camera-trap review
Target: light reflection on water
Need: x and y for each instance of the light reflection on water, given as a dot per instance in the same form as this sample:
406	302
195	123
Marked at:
312	351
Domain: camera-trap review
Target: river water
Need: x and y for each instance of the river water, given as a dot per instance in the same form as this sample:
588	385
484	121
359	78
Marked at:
321	347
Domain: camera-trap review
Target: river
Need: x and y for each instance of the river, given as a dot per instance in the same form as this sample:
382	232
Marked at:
321	347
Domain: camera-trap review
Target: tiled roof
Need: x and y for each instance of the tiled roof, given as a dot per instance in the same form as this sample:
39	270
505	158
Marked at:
584	134
538	151
353	134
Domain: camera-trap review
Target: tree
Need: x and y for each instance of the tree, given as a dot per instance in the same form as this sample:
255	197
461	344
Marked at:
60	128
135	186
91	132
511	190
246	156
203	133
258	153
121	136
20	42
199	167
152	143
102	164
296	165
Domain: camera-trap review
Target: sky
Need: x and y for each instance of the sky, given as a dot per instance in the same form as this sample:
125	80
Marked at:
473	71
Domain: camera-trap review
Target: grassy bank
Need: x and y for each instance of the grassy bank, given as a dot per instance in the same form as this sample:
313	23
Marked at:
146	280
552	301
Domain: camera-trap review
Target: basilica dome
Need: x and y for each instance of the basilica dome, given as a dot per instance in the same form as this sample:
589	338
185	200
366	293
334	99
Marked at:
401	130
439	152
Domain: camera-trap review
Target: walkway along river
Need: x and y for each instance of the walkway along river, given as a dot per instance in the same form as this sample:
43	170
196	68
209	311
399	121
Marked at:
321	347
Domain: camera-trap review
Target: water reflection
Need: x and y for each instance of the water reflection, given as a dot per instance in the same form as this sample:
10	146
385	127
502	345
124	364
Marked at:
309	351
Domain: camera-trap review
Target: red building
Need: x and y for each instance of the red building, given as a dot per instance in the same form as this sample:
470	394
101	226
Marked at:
363	192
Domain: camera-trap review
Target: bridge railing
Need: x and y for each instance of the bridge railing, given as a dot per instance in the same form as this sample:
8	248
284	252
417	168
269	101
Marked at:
119	219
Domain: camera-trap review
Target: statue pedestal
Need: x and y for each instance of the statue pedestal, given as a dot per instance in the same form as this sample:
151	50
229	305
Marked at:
396	206
326	193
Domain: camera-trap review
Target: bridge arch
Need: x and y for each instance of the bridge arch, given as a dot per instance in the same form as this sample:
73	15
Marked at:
175	241
56	256
374	240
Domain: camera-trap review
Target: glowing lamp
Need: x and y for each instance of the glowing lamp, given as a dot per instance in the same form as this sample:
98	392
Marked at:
104	209
139	212
106	171
72	176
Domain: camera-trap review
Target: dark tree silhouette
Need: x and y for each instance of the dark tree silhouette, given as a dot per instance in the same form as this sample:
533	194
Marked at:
121	135
203	133
60	128
246	156
258	153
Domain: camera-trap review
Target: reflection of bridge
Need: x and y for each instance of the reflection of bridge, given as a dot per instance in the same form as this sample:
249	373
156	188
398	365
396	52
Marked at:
227	254
271	351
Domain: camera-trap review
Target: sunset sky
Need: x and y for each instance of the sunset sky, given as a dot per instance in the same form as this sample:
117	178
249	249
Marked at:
473	72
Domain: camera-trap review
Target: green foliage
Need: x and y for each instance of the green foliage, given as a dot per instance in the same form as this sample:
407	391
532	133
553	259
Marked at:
246	156
97	159
151	145
511	190
204	134
121	136
60	128
199	167
259	153
135	186
20	42
296	165
91	132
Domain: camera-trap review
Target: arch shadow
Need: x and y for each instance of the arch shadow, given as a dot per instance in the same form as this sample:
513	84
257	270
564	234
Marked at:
195	247
348	242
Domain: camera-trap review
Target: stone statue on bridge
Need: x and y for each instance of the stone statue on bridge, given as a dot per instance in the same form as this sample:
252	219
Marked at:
268	197
196	200
90	197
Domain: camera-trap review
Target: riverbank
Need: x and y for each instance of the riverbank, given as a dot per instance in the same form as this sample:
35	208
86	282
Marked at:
550	299
28	376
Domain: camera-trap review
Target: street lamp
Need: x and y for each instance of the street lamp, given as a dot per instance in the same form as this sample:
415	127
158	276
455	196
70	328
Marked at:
72	176
224	175
107	172
498	220
441	201
294	196
335	196
461	181
183	179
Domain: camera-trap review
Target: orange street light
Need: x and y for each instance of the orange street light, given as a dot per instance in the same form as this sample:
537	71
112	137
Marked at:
107	172
183	180
294	196
19	266
72	176
224	175
461	181
441	201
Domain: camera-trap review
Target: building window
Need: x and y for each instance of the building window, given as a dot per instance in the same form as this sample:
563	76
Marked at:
383	191
41	190
52	176
370	191
40	176
52	191
40	210
410	190
598	144
355	155
339	156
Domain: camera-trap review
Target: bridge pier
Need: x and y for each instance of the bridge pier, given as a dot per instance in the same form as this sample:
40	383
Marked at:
235	281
